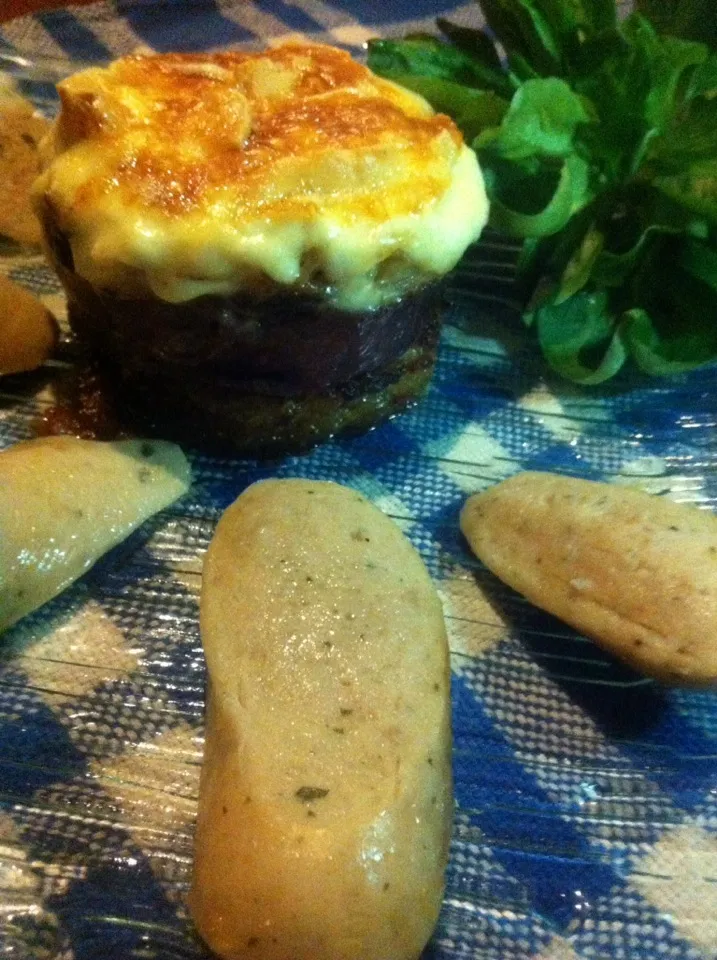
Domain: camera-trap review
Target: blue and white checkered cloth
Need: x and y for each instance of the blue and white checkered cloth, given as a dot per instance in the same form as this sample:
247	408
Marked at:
586	796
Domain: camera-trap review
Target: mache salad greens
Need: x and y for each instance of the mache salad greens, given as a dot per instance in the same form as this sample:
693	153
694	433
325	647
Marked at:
597	137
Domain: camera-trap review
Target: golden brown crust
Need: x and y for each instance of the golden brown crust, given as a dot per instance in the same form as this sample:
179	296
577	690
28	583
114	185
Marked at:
177	128
28	332
21	130
181	175
635	572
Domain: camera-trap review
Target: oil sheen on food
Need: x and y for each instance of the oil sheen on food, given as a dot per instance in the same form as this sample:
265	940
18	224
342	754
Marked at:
185	175
326	794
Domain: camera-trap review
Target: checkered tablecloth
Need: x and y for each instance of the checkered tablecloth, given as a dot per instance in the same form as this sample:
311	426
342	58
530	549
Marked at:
586	797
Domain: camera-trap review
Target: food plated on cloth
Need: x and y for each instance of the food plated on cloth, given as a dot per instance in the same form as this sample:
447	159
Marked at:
542	767
253	244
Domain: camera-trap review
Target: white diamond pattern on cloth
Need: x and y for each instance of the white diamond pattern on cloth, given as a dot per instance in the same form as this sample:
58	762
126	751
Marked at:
678	876
102	692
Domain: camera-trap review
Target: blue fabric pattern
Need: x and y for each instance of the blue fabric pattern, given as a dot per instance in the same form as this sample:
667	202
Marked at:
586	796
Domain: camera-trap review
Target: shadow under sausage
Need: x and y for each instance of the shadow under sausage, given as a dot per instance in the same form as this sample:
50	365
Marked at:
622	702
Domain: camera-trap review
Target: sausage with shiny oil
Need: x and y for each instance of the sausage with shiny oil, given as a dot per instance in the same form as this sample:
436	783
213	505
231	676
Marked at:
326	793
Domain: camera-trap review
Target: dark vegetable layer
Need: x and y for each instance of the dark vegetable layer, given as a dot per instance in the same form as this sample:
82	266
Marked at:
292	344
236	415
255	376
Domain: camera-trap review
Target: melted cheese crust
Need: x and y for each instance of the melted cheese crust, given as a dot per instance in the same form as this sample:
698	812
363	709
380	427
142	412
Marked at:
183	175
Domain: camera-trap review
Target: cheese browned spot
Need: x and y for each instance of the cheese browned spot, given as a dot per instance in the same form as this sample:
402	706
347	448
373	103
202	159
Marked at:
180	175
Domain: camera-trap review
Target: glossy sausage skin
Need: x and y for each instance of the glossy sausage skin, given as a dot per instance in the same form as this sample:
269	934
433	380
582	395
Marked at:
326	794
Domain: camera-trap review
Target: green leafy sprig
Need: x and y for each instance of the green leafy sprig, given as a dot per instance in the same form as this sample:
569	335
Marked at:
598	141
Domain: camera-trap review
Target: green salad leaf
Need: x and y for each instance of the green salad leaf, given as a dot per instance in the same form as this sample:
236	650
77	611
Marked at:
597	137
541	121
580	338
689	19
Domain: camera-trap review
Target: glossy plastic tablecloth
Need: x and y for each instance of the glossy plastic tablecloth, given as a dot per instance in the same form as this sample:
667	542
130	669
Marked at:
586	796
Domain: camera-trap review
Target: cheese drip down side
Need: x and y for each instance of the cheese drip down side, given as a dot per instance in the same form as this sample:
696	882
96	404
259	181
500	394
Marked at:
326	796
184	175
65	502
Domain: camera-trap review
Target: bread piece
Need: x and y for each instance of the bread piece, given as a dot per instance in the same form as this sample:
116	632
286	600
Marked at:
326	800
65	502
635	572
21	130
28	332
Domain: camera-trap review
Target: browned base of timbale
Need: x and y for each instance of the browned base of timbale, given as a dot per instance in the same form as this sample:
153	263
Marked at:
257	376
260	379
219	415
